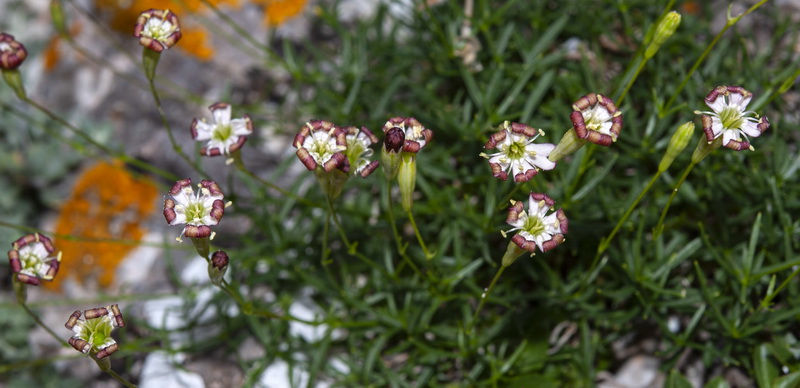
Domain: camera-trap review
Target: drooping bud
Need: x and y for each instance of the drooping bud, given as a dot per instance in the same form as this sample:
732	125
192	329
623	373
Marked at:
677	144
218	266
665	29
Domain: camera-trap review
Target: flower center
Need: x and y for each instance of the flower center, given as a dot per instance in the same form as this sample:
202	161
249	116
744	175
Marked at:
731	118
96	331
516	150
534	225
222	133
29	260
157	29
195	212
355	149
593	121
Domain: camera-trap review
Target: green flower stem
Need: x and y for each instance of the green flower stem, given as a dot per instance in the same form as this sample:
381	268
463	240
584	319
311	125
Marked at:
512	253
624	93
105	365
352	249
247	309
660	226
584	165
484	297
243	33
605	242
237	161
108	151
401	249
165	122
119	378
109	35
729	23
643	58
40	323
324	261
428	255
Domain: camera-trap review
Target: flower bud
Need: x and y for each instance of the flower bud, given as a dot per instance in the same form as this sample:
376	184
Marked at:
407	179
665	29
57	14
676	145
390	153
218	266
12	53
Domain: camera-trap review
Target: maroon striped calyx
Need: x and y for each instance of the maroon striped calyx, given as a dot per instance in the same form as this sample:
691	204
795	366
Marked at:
93	333
32	258
197	210
537	228
518	152
157	30
596	118
729	118
416	136
12	53
322	144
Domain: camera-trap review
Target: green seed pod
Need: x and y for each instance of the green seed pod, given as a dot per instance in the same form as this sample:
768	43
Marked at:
677	144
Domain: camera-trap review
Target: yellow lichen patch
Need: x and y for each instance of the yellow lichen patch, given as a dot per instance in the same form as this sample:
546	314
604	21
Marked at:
123	16
107	202
277	12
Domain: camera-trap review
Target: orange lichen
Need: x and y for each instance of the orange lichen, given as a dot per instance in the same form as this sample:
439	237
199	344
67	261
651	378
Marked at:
195	37
107	202
277	12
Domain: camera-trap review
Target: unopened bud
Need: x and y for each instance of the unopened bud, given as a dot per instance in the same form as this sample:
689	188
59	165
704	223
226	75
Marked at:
665	29
390	154
407	179
218	266
57	14
677	144
12	53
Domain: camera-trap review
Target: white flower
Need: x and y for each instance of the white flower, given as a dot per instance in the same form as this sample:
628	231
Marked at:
31	259
729	118
94	333
157	30
321	143
596	118
358	151
537	228
224	135
199	211
518	152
